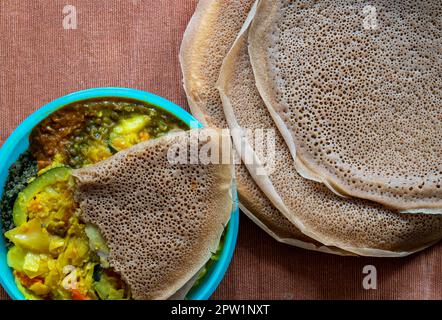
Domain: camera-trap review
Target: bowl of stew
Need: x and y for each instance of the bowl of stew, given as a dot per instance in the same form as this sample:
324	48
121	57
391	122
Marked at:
73	131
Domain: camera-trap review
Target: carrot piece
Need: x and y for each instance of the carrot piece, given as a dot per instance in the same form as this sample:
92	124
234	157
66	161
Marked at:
77	295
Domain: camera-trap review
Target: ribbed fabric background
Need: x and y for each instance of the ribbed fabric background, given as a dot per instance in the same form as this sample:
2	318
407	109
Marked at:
135	44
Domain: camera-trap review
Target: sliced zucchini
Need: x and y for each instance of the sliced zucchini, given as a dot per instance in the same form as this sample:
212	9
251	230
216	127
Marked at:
19	212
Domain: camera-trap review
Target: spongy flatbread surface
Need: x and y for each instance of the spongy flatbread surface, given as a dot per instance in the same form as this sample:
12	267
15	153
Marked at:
161	221
208	37
358	226
358	99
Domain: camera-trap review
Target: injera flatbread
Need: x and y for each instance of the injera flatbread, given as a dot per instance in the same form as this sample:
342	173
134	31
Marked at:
208	37
355	88
358	226
161	221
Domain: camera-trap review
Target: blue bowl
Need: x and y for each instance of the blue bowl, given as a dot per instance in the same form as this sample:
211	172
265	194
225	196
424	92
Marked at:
18	142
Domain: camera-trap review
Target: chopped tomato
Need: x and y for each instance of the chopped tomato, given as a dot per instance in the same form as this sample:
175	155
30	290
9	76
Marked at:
77	295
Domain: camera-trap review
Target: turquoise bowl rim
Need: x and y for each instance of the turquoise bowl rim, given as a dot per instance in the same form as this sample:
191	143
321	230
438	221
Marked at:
17	143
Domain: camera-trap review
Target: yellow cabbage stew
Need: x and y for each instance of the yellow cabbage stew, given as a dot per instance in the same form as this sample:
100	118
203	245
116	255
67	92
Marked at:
55	255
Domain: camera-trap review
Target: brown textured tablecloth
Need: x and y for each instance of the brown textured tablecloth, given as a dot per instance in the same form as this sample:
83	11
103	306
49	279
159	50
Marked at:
135	43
